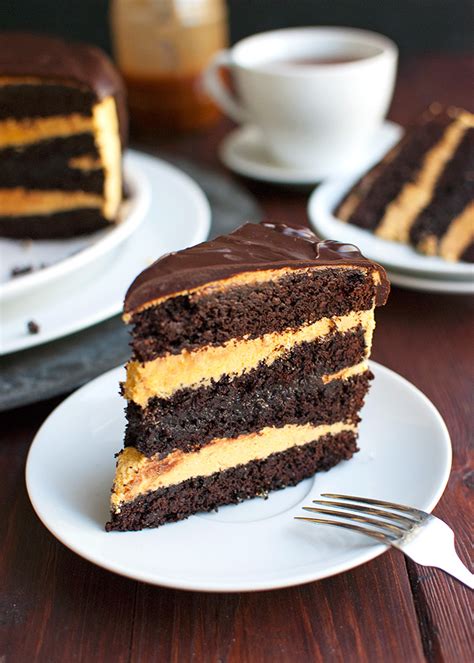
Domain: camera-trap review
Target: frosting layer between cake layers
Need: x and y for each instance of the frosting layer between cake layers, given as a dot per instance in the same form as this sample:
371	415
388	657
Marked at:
205	493
138	474
163	376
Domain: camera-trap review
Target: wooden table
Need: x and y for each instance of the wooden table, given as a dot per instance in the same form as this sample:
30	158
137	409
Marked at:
55	606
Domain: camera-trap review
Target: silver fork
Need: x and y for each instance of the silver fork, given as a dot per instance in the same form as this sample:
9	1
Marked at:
424	538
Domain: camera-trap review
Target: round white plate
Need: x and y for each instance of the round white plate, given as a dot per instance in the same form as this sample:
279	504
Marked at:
179	216
243	151
63	257
405	457
393	255
447	286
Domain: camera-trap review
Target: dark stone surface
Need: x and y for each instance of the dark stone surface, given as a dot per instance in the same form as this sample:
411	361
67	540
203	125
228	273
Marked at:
61	366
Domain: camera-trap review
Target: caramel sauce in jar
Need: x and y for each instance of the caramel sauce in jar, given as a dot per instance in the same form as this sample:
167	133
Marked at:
162	48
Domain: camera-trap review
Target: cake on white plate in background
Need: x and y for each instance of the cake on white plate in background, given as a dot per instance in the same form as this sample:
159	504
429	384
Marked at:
422	191
63	126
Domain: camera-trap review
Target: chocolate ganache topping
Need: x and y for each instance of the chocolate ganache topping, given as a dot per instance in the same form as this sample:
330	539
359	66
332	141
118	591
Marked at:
26	54
250	248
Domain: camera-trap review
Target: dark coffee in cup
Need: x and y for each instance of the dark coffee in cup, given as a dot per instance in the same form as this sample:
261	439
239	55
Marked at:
316	60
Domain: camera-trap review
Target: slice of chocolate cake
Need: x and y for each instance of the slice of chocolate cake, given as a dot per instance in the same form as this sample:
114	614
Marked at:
62	126
249	369
422	192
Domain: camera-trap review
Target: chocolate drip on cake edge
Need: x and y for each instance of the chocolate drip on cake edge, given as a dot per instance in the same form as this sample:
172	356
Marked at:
187	323
251	248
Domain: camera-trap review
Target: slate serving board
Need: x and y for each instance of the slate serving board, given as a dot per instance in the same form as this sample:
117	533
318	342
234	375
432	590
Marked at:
63	365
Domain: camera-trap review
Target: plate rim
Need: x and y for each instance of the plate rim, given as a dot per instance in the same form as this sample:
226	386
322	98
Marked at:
140	186
257	172
304	577
201	232
435	286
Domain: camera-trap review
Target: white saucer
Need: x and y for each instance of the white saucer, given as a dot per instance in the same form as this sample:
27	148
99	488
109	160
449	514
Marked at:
179	216
405	457
65	256
446	286
394	256
243	151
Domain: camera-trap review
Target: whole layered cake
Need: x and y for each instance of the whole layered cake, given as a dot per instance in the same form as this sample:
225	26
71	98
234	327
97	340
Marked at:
248	373
422	192
62	126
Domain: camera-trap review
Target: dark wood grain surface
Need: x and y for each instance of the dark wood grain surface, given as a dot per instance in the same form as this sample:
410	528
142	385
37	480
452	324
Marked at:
55	606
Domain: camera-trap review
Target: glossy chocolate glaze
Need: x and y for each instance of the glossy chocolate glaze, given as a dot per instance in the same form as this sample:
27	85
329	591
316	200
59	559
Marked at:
250	248
25	54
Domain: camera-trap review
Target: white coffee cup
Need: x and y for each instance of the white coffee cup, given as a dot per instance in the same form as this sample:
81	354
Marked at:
312	116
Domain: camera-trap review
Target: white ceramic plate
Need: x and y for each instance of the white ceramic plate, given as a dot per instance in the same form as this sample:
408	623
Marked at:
393	255
243	151
179	216
446	286
405	457
65	256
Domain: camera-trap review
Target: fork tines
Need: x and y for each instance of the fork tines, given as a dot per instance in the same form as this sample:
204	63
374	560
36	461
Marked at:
391	523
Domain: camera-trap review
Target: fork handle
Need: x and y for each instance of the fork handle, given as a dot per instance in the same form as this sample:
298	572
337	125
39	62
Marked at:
434	546
457	569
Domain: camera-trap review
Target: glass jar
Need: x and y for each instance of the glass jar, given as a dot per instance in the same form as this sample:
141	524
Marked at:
162	48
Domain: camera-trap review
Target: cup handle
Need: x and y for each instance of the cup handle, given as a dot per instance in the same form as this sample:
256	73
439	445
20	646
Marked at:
218	91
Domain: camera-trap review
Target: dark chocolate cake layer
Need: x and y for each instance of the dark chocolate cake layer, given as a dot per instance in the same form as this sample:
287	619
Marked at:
454	190
385	181
232	486
185	322
231	413
53	226
45	166
290	390
21	101
55	175
65	147
250	248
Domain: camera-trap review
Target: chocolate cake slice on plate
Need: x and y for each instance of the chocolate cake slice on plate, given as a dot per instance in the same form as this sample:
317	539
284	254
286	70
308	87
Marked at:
62	129
248	373
422	191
